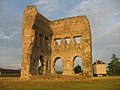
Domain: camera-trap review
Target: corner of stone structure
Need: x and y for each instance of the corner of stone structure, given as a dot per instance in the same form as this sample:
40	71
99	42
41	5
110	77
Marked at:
25	76
84	17
31	9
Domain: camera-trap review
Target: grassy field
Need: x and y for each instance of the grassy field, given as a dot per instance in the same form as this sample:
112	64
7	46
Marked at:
94	83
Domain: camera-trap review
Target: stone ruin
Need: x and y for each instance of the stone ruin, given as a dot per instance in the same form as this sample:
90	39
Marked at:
39	44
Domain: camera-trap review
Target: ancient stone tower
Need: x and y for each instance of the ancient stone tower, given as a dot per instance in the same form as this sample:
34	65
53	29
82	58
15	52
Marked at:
39	44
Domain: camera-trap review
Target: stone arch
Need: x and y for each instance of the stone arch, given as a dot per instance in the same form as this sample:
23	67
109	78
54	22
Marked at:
78	63
41	65
60	68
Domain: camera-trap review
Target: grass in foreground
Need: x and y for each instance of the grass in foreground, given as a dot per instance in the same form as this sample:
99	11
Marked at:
95	83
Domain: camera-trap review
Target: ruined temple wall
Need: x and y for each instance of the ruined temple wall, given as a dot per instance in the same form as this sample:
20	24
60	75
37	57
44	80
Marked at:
71	28
28	37
67	27
44	35
38	38
43	40
43	32
34	25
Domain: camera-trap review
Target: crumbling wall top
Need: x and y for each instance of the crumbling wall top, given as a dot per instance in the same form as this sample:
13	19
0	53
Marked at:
69	18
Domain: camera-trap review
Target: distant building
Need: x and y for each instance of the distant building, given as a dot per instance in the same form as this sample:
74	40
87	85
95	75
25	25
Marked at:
7	72
99	68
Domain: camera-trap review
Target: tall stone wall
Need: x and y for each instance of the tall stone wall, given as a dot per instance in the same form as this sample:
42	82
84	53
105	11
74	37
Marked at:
71	28
39	44
36	40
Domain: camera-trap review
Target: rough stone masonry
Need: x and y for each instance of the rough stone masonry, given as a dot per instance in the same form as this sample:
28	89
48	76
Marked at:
40	38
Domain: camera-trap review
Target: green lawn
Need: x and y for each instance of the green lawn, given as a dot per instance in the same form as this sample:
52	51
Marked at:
94	83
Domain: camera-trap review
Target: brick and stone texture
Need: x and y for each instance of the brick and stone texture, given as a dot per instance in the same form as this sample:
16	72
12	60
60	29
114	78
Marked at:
39	44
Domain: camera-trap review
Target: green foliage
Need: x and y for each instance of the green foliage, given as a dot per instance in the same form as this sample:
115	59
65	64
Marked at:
114	66
10	75
78	69
59	72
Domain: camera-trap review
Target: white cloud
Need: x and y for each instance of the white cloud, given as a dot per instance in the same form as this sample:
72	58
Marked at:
11	66
3	36
98	11
47	6
105	30
10	57
109	36
12	36
108	43
113	31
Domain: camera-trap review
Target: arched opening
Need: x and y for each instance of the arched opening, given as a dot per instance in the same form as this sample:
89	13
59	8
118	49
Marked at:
78	66
41	65
58	65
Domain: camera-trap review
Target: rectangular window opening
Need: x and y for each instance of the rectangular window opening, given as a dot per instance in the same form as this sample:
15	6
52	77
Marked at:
68	40
57	41
77	39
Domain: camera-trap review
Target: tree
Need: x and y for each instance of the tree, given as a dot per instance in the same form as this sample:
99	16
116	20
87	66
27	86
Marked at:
78	69
114	65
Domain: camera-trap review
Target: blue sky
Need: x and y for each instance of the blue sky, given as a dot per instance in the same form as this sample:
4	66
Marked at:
104	17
